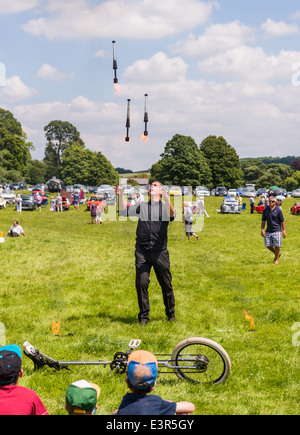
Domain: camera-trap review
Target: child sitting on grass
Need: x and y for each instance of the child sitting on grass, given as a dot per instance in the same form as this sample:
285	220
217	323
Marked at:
141	379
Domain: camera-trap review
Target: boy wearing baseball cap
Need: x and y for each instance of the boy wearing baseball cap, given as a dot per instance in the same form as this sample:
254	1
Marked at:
141	379
14	399
81	398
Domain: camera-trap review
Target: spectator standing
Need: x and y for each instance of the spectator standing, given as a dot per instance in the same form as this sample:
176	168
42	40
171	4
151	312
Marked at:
19	204
59	202
39	201
273	216
14	399
100	207
201	206
52	204
188	221
76	200
93	212
252	202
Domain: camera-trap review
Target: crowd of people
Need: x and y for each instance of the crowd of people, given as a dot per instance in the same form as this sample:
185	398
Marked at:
81	397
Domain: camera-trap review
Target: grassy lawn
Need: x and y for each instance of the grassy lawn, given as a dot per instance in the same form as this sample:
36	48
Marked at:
84	274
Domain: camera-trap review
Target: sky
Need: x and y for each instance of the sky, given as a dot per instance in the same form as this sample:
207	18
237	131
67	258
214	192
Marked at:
226	68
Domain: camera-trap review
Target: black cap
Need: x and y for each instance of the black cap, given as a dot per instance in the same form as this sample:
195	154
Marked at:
10	364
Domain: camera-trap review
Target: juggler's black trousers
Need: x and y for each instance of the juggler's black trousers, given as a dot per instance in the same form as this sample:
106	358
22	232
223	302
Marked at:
144	260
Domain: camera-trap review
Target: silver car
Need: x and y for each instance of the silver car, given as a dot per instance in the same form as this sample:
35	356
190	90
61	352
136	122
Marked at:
296	193
230	205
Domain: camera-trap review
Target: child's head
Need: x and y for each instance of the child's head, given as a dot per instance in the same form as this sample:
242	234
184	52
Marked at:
10	364
141	371
81	398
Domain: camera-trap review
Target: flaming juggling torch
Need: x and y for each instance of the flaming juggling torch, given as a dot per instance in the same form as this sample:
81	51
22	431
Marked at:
115	67
127	138
144	136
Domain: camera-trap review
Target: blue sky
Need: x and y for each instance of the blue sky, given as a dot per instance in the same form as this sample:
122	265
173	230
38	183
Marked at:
227	68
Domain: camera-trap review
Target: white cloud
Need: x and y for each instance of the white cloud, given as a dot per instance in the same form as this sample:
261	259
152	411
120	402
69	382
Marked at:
216	38
49	72
100	53
16	6
16	90
277	29
146	19
251	64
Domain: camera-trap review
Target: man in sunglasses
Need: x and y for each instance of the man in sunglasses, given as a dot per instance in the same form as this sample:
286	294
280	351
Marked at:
272	215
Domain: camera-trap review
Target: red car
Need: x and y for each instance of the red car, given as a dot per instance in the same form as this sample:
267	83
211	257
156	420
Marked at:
296	209
98	200
43	195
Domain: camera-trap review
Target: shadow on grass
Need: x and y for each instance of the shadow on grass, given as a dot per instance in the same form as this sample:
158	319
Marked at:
131	320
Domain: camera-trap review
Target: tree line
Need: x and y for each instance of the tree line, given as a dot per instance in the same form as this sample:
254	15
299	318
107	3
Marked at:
212	163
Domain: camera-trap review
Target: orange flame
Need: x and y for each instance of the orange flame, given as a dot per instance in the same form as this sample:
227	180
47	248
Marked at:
56	327
144	138
247	317
117	88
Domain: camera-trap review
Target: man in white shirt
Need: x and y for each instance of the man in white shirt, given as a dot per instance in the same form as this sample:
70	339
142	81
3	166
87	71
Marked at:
16	230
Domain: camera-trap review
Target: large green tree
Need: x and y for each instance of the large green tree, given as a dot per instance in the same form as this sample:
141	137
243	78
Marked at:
223	161
182	164
83	166
60	135
14	148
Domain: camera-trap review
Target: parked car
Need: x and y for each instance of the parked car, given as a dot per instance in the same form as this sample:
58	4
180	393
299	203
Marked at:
37	188
231	192
14	186
280	192
28	202
186	191
106	190
201	191
55	185
175	191
21	185
240	190
261	191
221	191
98	199
230	205
296	193
248	192
10	197
296	209
2	202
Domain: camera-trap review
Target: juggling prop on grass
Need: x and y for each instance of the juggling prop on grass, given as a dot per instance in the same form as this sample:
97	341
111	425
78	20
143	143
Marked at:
250	319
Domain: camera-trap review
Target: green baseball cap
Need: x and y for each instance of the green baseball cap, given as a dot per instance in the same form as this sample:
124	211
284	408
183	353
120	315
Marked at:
82	396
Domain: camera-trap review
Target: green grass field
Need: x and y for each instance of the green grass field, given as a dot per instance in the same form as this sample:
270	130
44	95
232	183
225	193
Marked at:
84	274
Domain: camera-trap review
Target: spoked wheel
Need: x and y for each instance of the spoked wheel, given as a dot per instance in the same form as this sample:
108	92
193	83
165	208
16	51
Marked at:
201	360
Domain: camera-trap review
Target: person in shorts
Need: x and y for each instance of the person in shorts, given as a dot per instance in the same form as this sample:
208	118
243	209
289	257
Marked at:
141	380
273	216
14	399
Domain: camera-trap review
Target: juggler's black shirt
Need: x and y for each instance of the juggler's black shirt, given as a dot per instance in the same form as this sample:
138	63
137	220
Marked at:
152	228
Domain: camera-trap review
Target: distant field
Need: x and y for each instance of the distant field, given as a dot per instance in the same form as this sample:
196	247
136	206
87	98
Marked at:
84	274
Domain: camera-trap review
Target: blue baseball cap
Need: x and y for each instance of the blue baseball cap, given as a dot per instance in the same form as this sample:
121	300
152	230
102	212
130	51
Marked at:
142	369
